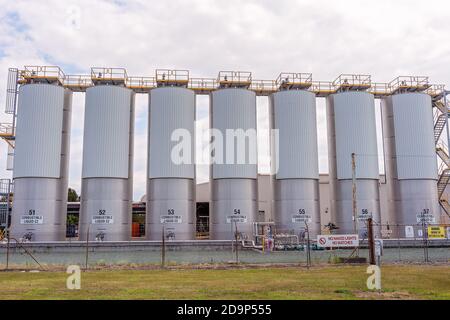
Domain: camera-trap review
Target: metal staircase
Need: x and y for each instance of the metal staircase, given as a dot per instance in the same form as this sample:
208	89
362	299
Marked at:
440	121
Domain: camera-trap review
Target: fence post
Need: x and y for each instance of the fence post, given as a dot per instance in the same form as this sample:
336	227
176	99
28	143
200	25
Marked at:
371	242
163	251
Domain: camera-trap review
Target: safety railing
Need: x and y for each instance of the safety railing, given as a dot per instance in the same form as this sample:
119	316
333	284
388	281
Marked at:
172	77
78	82
288	80
353	81
202	85
114	75
322	88
436	91
263	87
6	130
141	84
44	73
409	83
234	78
380	89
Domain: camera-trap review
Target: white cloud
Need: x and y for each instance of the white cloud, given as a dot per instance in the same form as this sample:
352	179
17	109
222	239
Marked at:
382	38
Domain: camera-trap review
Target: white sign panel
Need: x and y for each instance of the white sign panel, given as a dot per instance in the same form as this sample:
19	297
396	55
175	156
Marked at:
425	217
170	219
237	219
338	240
31	219
301	218
409	231
102	219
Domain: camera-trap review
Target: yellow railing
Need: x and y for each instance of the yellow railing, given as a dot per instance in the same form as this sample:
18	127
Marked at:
322	87
263	86
172	76
234	77
143	83
378	88
108	74
296	79
353	80
436	90
41	72
6	130
202	84
78	81
409	82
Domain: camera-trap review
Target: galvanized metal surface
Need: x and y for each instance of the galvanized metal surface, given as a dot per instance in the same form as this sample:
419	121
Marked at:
107	186
171	204
367	189
294	114
39	128
296	199
355	132
234	109
231	200
45	197
171	122
110	198
407	198
106	145
414	136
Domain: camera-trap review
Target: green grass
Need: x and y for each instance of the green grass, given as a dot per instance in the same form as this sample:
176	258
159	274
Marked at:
336	282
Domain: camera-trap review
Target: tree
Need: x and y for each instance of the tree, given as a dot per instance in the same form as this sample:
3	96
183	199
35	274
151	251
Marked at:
72	196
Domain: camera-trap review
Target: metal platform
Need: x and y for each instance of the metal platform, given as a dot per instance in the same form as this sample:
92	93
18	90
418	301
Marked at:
352	82
108	76
404	84
41	74
234	79
172	78
294	81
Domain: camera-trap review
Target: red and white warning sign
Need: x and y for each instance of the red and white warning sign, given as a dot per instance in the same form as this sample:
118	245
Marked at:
338	240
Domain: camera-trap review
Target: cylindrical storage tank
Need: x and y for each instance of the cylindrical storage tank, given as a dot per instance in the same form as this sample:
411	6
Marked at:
295	162
171	167
106	190
41	163
352	130
234	190
411	163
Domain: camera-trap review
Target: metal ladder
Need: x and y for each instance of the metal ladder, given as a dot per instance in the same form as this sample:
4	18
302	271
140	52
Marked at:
440	121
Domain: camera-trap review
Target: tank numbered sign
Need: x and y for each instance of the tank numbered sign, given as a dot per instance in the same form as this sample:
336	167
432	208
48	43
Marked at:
364	215
31	218
237	217
425	217
102	218
301	217
170	217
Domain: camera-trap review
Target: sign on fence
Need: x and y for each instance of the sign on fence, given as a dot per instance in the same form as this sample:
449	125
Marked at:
338	240
436	232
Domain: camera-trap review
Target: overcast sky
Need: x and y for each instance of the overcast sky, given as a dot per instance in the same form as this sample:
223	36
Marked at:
383	38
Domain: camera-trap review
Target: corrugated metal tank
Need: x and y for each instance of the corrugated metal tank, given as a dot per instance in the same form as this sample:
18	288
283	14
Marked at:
295	161
410	155
352	129
234	190
41	162
171	167
106	191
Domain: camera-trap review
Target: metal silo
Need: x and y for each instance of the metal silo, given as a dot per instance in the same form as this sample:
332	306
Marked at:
171	168
411	164
234	193
106	191
41	161
295	156
352	130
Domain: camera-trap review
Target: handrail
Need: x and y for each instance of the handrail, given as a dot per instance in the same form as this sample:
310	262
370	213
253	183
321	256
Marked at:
104	73
168	75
